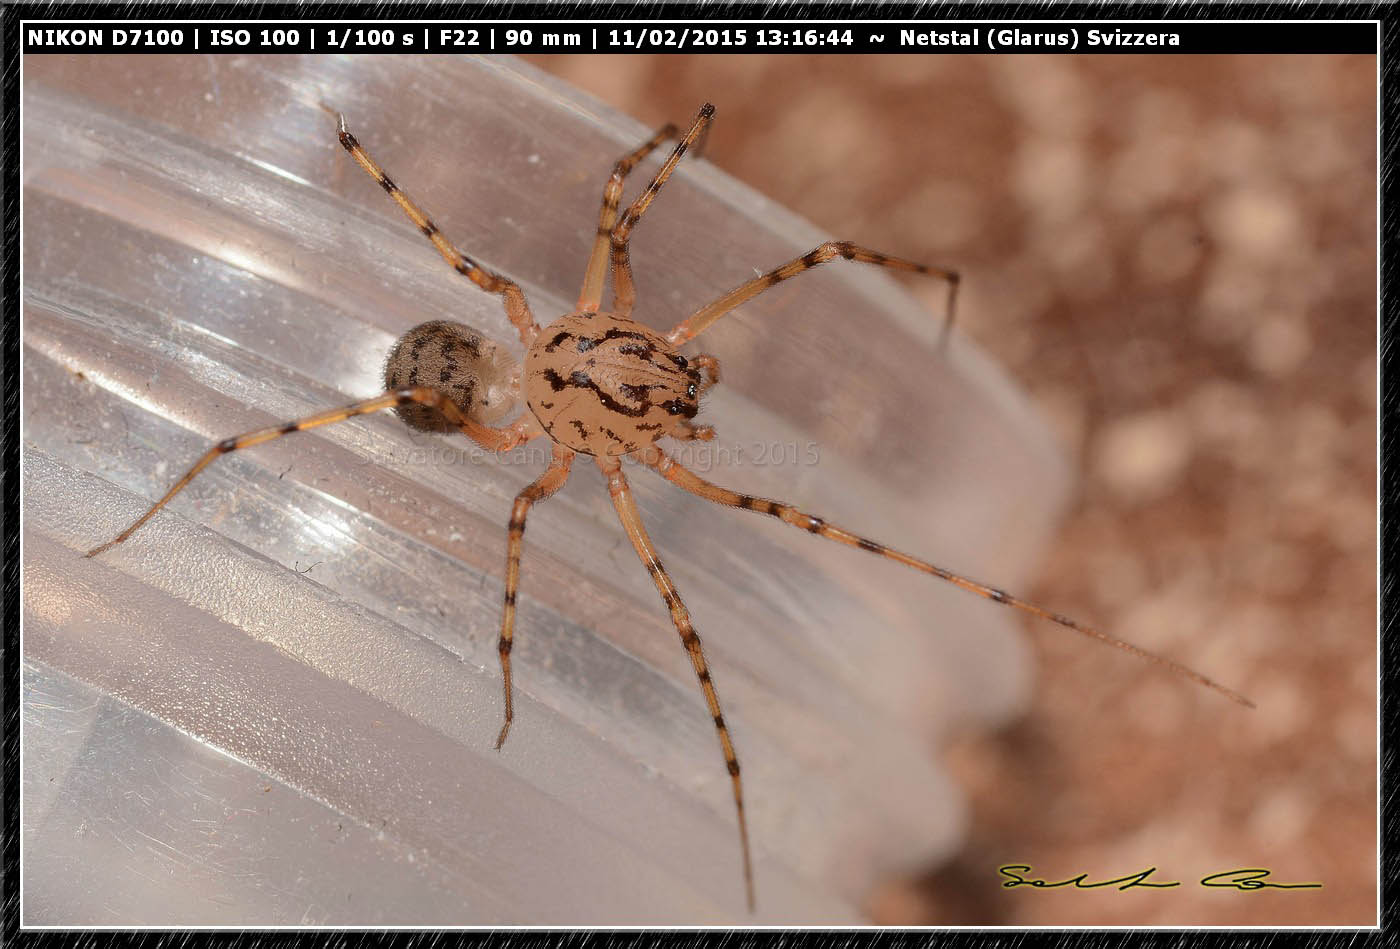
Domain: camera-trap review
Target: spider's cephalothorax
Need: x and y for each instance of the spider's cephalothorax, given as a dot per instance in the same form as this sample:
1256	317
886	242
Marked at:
600	384
605	385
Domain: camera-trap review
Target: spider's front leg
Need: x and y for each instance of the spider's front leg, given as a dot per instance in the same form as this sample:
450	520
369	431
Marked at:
624	292
590	297
631	519
695	324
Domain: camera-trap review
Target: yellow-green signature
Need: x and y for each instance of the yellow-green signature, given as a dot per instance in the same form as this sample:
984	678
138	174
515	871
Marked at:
1245	878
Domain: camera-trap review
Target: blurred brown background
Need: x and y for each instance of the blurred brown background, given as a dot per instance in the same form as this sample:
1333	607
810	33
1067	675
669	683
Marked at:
1175	256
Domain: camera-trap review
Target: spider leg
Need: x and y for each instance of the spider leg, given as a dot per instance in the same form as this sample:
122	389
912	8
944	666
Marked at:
493	439
591	296
545	485
683	478
631	520
517	310
699	321
624	292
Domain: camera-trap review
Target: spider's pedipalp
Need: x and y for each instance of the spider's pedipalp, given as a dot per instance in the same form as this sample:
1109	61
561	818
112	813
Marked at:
631	520
492	439
545	485
682	477
517	310
710	365
624	293
695	324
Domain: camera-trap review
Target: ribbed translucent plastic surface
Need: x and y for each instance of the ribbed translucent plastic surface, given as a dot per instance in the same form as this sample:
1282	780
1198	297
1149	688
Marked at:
276	703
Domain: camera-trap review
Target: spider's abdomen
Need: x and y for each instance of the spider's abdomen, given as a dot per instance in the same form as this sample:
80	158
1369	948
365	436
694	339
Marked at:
461	364
607	386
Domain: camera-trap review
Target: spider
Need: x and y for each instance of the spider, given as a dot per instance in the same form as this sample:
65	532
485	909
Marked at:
600	384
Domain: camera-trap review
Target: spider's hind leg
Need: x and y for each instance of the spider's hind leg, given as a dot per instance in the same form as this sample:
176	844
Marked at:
517	310
492	439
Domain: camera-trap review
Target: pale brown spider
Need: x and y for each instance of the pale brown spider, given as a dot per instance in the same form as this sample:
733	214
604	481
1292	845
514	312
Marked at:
600	384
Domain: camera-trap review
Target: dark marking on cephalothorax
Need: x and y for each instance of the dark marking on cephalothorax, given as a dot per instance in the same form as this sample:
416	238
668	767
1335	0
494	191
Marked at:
580	380
616	333
638	392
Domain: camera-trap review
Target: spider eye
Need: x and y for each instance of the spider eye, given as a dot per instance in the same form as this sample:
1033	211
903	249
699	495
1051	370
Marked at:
690	390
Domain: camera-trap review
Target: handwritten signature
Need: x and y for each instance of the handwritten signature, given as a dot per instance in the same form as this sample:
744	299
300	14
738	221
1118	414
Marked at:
1247	878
